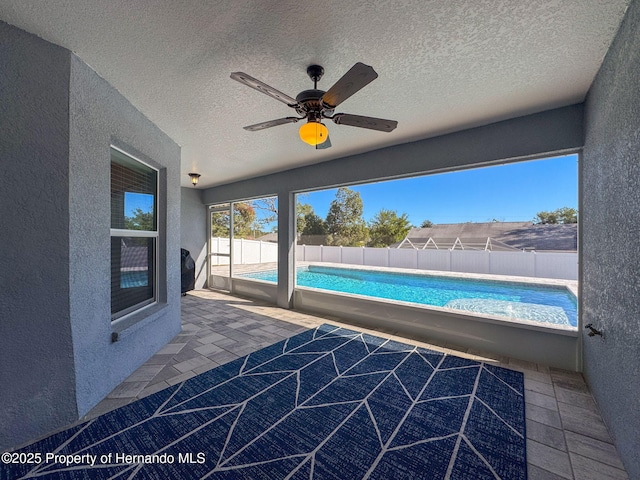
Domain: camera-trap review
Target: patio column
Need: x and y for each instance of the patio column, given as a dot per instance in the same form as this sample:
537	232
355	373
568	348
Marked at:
286	248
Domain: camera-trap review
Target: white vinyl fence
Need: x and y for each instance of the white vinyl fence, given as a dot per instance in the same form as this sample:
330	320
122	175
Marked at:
244	251
561	265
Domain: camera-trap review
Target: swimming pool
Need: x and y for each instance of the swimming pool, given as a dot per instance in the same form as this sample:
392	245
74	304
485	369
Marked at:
548	305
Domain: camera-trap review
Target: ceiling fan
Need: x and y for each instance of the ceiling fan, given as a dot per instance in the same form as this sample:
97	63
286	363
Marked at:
315	105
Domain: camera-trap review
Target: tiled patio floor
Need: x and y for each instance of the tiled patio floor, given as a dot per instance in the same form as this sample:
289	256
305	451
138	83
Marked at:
566	437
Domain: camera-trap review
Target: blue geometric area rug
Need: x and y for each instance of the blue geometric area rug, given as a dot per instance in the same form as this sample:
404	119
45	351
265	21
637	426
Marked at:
329	403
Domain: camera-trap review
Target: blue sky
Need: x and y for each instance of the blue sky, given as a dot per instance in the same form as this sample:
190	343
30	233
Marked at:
508	193
143	201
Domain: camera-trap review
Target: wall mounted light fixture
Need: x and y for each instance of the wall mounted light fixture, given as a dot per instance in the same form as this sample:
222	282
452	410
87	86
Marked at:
194	178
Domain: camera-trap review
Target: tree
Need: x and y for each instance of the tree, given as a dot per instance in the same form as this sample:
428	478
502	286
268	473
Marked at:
314	225
344	222
140	220
567	215
310	228
545	217
302	211
387	228
220	224
560	215
244	224
426	224
269	208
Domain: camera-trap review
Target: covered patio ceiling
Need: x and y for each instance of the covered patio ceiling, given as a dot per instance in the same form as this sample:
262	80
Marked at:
442	66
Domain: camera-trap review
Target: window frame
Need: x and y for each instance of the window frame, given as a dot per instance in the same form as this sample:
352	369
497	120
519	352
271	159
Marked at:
154	234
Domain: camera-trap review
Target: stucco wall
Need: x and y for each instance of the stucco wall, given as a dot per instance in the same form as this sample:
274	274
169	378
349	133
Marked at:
193	236
610	216
36	354
58	119
99	116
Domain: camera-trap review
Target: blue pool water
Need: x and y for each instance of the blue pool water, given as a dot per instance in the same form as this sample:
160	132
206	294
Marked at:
543	304
132	279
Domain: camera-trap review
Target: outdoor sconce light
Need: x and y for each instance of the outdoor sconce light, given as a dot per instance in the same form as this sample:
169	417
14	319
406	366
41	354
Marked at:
194	178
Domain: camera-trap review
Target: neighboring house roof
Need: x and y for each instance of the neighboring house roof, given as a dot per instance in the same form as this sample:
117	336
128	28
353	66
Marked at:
269	237
501	235
544	237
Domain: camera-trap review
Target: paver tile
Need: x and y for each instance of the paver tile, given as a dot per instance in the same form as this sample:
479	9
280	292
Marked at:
218	328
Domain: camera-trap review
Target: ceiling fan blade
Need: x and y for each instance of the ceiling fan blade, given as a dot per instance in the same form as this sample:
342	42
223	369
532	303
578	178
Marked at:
272	123
365	122
264	88
359	76
325	144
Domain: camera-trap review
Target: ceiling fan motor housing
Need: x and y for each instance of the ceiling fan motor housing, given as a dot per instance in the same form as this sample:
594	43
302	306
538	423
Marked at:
310	101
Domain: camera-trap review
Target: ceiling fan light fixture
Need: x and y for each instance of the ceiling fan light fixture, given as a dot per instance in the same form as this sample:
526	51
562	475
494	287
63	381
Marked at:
314	133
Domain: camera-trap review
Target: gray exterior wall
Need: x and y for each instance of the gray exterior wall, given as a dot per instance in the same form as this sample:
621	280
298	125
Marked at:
37	379
193	236
99	117
610	215
58	119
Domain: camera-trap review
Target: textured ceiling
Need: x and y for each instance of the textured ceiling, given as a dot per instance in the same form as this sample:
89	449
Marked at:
443	65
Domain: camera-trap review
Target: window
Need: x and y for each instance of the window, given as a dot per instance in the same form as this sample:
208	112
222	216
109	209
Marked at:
134	234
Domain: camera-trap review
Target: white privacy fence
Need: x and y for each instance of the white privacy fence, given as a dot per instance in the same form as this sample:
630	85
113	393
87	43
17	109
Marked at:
561	265
244	251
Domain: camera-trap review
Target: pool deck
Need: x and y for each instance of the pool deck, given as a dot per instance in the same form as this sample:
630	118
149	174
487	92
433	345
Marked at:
566	437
